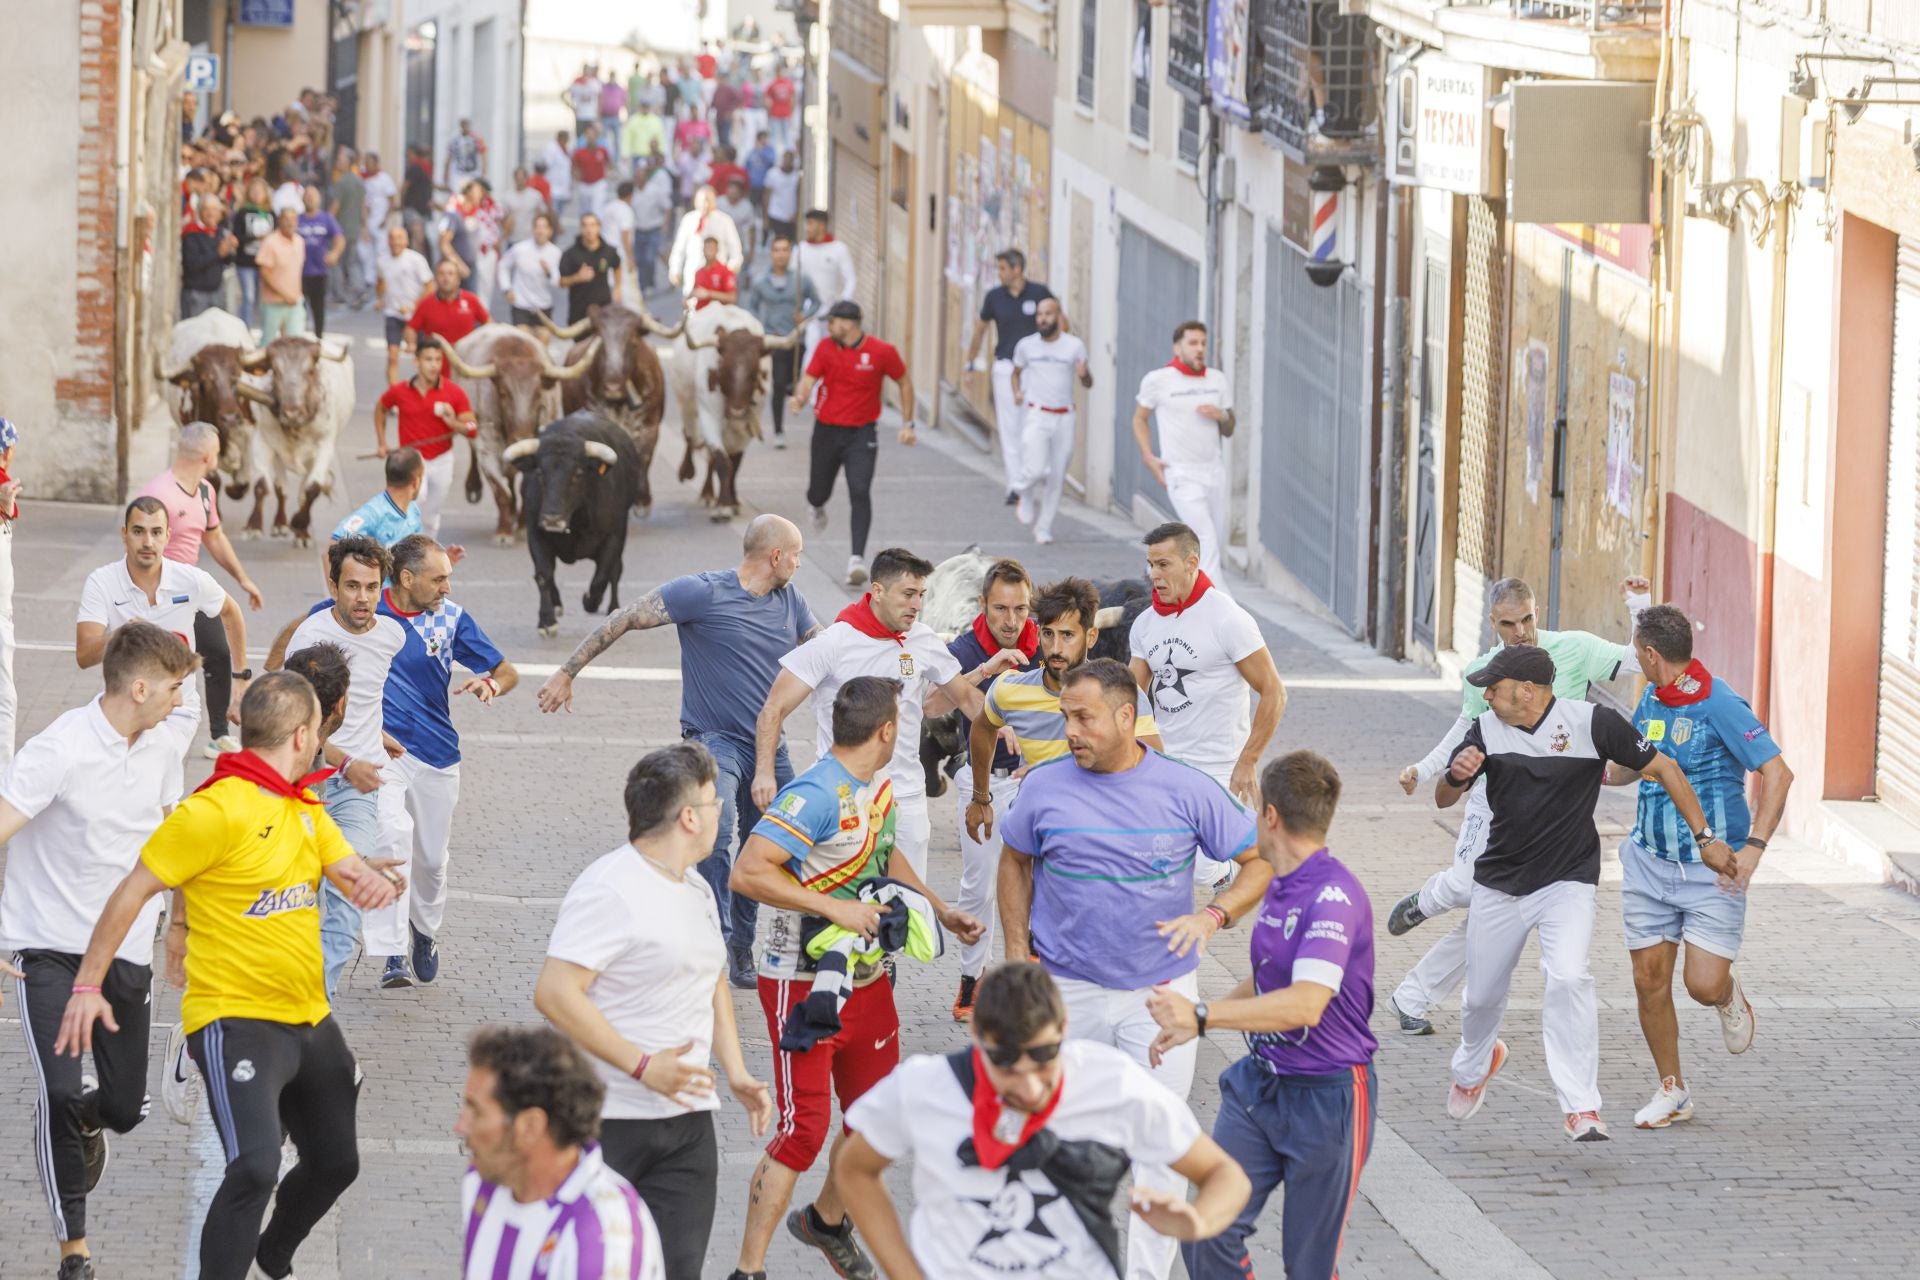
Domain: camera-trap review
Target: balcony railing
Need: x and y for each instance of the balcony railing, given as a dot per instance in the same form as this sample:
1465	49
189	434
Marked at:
1592	14
1311	75
1187	48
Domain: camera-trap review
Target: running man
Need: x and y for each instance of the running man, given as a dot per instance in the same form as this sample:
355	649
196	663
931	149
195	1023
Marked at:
420	787
1027	702
1544	758
1580	661
734	627
851	370
1674	889
432	409
248	851
981	1207
1194	406
1097	881
1297	1111
76	804
394	512
1012	307
539	1200
826	837
880	634
1046	364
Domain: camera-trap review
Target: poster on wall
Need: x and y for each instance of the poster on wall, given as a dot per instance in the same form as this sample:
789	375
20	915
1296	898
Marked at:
1623	394
1227	58
1535	392
954	214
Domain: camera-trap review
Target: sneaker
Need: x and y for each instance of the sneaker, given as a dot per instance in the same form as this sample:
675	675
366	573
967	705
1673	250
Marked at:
1409	1024
1736	1017
740	970
396	974
258	1272
856	571
738	1274
1023	509
779	439
1406	914
1463	1102
843	1253
1587	1126
93	1142
220	746
426	956
1670	1105
76	1266
179	1078
963	1003
819	519
1013	498
1043	539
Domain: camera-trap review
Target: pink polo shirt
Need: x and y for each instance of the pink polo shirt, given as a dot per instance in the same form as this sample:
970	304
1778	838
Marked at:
189	515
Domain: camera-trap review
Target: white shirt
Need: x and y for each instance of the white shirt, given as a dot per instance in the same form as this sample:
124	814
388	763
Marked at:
381	193
1048	369
407	276
841	653
559	162
531	273
969	1221
521	206
590	1215
657	949
688	252
1202	702
92	800
616	216
1174	395
370	656
653	202
829	266
585	97
111	599
783	194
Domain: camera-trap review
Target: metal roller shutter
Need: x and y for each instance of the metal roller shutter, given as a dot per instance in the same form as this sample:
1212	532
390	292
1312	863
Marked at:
1898	748
1483	379
1155	282
856	220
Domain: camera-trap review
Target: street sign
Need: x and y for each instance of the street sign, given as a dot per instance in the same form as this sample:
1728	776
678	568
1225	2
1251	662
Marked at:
266	13
203	72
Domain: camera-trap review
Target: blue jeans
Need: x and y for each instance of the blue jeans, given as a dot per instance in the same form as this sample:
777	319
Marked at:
249	278
646	256
358	817
734	785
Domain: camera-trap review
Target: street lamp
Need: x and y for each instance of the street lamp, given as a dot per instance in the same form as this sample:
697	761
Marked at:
805	13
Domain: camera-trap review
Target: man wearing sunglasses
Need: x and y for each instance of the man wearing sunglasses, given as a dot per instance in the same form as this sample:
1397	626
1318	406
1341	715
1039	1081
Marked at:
1019	1144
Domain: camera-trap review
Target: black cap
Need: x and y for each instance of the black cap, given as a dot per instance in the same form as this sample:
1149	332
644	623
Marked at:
1515	662
845	309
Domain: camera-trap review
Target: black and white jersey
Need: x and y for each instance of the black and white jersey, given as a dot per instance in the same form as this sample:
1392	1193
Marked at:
1542	785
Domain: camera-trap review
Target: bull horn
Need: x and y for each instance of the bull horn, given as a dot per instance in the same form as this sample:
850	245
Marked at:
695	346
571	332
1109	617
578	369
520	449
337	354
165	374
787	343
472	372
599	452
634	394
250	392
661	330
254	361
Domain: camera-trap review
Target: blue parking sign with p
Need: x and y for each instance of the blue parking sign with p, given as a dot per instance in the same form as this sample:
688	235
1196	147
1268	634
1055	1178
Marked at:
203	71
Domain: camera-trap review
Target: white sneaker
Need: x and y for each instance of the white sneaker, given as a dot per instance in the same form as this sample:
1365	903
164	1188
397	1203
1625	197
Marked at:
179	1078
1670	1105
1736	1017
220	746
1463	1102
255	1272
819	519
856	571
1587	1126
1023	509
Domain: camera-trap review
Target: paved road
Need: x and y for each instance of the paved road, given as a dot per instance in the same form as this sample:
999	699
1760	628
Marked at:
1802	1159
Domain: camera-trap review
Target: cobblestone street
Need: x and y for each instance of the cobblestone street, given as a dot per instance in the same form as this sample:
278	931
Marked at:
1803	1159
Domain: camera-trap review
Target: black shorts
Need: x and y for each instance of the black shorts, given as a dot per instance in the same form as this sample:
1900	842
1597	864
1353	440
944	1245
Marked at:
396	330
530	316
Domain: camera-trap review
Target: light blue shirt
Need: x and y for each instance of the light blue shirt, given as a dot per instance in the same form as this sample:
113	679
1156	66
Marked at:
381	519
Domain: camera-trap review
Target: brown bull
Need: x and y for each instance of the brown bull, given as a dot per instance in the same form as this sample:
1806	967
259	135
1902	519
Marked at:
624	379
216	391
728	388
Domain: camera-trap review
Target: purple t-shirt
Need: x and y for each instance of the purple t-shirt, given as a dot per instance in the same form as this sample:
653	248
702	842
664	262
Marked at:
1316	925
1113	856
318	231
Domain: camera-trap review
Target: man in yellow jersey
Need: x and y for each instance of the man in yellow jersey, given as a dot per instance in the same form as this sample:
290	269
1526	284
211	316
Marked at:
247	851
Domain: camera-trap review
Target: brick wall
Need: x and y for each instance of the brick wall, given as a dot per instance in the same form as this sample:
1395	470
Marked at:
87	388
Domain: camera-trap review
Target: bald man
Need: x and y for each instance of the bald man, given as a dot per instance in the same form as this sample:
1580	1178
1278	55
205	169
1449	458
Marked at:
735	626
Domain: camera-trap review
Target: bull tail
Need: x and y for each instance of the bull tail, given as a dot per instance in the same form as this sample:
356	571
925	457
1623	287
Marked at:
474	487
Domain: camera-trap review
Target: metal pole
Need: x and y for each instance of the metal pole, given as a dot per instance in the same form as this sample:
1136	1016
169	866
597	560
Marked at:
1389	610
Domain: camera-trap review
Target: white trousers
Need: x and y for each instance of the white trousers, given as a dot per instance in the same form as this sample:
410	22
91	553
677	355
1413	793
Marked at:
980	866
1199	497
435	490
1209	871
1046	446
1497	928
1120	1019
416	820
912	831
1009	421
1445	964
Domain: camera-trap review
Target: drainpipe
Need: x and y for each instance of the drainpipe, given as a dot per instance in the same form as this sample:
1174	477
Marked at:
1776	393
1657	363
1391	571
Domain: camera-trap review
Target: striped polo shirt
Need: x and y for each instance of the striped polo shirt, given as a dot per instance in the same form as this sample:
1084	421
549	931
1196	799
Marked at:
1021	699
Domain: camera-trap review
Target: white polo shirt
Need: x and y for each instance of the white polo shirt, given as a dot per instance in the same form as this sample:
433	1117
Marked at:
111	599
1175	394
1047	369
92	800
370	656
1200	700
840	653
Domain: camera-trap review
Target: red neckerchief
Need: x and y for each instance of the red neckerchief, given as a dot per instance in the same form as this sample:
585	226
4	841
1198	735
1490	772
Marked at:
1181	365
248	767
196	227
7	479
860	616
1028	644
1693	686
986	1114
825	239
1201	585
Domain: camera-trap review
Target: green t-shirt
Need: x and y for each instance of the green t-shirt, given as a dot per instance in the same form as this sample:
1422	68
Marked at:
1580	658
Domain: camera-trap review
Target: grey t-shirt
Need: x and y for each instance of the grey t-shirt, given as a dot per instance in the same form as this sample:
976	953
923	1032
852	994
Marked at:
731	643
352	195
522	205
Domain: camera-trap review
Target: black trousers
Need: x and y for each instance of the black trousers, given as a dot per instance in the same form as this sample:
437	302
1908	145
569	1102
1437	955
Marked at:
675	1166
315	290
263	1076
64	1109
857	449
216	663
783	379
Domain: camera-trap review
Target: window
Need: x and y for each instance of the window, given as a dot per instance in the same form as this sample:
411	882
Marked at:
1089	43
1140	111
1189	132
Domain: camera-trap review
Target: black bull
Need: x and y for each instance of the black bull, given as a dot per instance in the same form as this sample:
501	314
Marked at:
579	477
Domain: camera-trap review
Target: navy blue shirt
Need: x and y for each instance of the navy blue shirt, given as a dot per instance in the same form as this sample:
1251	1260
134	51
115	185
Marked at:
1013	318
969	653
731	643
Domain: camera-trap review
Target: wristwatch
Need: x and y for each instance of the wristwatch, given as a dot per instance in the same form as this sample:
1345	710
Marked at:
1705	836
246	674
1200	1018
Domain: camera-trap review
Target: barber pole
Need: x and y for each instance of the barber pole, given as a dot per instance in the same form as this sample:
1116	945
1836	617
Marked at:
1324	265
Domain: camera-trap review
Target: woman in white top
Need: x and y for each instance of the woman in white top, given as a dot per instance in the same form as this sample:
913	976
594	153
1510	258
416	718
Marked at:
699	222
530	275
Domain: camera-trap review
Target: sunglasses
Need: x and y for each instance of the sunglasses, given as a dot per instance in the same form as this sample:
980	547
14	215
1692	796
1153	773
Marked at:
1007	1056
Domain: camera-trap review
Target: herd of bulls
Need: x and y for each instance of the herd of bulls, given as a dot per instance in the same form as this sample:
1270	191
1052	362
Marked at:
565	448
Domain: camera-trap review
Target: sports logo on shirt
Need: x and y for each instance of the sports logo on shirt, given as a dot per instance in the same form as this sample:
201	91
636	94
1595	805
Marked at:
1293	922
1654	730
906	665
1682	730
1561	740
849	808
1334	893
273	902
791	804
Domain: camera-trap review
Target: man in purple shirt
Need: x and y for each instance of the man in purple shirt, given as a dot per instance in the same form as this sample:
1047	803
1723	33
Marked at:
1297	1110
1096	880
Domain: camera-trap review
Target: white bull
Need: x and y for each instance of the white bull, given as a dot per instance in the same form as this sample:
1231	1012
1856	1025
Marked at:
307	401
720	390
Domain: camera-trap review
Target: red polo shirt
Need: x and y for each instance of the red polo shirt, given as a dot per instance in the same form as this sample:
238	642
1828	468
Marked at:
590	163
451	320
417	419
850	380
717	276
723	173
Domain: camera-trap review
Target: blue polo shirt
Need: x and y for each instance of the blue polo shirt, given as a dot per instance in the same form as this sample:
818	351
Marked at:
417	710
381	519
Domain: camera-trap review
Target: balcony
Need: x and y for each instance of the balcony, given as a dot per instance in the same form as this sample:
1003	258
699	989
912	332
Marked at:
1576	39
1031	19
1311	83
